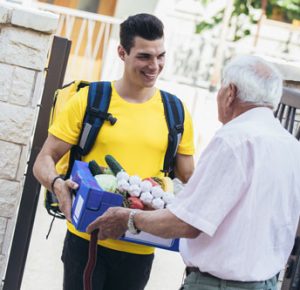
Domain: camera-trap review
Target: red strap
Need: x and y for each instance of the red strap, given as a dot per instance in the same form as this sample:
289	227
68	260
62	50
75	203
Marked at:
90	265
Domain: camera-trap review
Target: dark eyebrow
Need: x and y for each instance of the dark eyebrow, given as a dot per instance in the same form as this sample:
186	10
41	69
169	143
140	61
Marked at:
144	54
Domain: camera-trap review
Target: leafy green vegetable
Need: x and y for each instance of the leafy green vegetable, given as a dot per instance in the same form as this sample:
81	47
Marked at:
107	182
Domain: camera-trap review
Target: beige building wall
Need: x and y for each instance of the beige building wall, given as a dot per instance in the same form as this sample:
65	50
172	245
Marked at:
25	36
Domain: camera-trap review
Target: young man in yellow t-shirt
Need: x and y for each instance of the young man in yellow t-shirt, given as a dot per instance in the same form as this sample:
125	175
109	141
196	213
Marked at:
138	141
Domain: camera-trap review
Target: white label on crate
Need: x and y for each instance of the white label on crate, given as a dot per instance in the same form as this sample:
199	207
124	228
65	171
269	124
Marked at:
78	207
146	238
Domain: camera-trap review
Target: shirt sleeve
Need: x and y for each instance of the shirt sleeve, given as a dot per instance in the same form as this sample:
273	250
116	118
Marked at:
186	145
68	123
214	189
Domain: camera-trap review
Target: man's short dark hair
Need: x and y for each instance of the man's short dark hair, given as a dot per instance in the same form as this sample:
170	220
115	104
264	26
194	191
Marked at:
144	25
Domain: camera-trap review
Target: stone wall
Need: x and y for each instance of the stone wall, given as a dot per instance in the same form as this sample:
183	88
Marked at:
25	38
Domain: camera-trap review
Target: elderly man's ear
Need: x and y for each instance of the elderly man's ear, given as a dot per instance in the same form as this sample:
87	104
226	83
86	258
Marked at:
231	95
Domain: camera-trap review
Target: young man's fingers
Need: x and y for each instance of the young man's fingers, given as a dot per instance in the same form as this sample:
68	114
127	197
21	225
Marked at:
71	184
65	207
68	214
65	202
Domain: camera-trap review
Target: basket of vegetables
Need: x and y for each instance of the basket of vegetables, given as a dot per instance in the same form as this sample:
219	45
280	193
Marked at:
149	193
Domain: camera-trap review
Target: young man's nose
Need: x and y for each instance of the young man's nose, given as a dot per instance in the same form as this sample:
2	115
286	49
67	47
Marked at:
154	64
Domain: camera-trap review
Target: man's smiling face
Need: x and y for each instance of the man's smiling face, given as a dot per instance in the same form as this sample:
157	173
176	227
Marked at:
144	62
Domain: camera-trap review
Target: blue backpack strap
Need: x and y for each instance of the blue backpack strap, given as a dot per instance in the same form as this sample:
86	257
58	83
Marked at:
96	113
174	113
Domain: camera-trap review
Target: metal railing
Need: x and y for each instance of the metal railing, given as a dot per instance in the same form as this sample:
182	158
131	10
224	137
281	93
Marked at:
288	113
90	35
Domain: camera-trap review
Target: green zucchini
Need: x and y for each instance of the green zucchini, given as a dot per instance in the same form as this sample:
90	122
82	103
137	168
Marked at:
113	164
94	168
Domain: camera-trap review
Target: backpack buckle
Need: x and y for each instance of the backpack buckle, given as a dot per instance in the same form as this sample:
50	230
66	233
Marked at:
112	120
102	115
179	128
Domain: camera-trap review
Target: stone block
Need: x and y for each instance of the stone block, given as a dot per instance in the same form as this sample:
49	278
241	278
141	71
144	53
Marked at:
35	19
22	86
5	13
9	197
9	160
3	224
6	75
16	123
25	48
2	268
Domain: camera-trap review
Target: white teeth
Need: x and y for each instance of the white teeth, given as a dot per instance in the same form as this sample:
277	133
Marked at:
150	75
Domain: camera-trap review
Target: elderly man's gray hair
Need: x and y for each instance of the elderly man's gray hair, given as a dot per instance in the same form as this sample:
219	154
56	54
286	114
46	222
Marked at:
257	81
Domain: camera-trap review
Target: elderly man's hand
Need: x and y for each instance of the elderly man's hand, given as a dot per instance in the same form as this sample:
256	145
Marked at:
112	224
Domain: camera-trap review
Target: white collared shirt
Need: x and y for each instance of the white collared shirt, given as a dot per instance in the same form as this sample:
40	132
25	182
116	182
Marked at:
245	198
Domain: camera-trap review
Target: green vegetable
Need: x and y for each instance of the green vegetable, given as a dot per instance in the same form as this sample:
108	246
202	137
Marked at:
107	171
94	168
107	182
113	164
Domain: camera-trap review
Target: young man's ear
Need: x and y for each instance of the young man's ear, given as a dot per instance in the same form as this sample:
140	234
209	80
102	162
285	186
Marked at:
121	52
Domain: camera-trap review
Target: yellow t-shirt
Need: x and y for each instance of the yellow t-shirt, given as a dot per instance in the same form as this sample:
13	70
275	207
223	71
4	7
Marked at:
138	141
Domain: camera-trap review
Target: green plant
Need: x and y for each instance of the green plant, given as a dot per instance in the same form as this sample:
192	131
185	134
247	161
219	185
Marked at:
247	12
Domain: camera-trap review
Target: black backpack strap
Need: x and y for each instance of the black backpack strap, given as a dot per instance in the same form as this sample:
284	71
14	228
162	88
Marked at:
96	113
174	113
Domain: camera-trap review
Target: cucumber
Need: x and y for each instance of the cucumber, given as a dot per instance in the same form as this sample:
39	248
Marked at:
94	168
113	164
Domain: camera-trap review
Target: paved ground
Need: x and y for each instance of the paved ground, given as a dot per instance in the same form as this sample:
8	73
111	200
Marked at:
43	269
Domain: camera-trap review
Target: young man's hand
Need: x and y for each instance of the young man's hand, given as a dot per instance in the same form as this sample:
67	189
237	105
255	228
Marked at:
62	189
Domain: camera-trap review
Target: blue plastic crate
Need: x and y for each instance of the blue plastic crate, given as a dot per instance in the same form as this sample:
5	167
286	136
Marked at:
91	202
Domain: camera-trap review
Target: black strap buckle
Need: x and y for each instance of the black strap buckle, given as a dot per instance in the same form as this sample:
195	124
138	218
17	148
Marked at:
179	128
102	115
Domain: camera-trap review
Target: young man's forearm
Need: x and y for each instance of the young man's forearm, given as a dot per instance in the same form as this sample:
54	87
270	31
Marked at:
44	170
44	167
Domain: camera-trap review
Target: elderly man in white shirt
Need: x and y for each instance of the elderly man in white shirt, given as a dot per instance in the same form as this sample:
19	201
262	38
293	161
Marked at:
238	214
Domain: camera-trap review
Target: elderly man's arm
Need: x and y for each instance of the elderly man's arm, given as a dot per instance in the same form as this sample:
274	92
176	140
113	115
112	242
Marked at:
162	223
165	224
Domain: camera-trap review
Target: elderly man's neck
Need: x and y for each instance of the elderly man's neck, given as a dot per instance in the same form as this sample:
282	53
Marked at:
242	107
